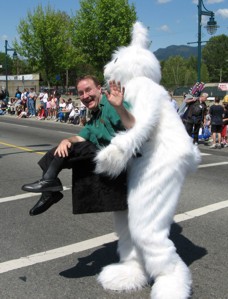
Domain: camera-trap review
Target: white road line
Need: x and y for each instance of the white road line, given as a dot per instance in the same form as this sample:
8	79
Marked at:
95	242
21	196
62	132
24	195
56	253
201	211
204	154
212	164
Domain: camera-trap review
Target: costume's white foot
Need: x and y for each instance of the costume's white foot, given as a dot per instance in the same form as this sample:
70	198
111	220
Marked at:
125	276
176	285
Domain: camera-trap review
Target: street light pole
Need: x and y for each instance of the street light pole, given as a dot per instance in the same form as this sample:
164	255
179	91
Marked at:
211	29
6	65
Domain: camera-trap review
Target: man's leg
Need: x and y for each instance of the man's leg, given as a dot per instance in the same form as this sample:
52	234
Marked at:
51	166
189	127
50	185
48	198
196	133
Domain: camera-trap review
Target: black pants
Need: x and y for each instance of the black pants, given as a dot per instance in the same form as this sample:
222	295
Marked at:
91	193
78	152
193	129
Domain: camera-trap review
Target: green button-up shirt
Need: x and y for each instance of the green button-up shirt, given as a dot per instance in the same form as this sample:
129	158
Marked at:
103	125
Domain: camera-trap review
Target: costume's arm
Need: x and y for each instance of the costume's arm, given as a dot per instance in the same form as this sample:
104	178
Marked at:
146	98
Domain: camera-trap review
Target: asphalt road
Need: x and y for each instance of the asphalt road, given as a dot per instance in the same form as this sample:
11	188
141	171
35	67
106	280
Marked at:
59	255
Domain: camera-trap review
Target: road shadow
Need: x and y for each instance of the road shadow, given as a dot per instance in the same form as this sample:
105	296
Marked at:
92	264
188	251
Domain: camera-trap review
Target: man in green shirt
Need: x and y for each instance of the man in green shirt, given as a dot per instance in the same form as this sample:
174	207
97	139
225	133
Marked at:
109	115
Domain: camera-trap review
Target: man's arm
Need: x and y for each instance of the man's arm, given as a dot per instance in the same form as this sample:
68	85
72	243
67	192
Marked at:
115	98
65	144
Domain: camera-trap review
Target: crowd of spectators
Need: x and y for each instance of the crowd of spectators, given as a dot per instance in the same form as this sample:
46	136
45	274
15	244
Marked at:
44	106
207	123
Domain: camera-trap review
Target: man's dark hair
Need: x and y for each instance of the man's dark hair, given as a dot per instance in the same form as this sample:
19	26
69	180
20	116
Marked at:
93	78
217	99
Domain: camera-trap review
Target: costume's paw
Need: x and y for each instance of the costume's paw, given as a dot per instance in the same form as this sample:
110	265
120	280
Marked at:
175	285
125	276
110	160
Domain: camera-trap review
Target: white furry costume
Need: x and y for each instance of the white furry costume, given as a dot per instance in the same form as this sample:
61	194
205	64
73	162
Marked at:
155	179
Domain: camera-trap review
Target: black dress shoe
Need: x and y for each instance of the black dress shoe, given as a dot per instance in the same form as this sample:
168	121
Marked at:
45	202
43	186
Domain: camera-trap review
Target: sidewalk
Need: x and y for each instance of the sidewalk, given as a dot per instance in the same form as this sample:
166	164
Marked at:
39	120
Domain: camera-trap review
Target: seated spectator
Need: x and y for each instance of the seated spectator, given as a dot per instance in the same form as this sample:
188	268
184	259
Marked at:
23	114
69	108
19	109
3	107
74	116
62	107
41	112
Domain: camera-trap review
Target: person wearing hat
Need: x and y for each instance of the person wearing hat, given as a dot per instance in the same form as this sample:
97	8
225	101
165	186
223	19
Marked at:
195	115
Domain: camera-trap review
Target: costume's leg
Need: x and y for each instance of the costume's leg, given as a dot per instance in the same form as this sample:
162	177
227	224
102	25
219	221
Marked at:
129	273
152	203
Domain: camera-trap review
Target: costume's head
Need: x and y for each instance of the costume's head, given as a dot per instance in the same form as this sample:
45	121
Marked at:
135	60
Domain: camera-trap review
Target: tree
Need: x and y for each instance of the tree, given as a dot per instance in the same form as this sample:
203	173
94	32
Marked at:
215	56
192	66
100	26
3	63
174	72
45	41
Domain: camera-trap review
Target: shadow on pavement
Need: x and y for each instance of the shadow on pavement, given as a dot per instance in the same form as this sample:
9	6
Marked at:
93	263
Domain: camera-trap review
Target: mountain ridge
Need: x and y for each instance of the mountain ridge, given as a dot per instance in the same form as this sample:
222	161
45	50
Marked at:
175	50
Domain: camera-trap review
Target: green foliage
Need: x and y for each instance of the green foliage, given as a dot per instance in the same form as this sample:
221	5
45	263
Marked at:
45	41
215	56
10	64
100	26
176	73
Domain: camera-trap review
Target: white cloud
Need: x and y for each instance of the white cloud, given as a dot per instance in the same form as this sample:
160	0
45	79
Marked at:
164	28
4	37
214	1
163	1
222	12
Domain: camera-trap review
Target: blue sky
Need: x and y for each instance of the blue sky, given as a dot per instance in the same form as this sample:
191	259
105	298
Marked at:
171	22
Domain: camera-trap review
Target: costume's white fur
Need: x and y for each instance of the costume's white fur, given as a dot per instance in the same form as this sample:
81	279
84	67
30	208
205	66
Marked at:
154	179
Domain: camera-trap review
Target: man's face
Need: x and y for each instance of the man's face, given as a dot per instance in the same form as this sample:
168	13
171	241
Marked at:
203	98
89	93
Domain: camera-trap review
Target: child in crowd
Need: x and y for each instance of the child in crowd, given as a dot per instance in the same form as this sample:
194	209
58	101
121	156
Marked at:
41	112
23	114
62	107
53	107
48	108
